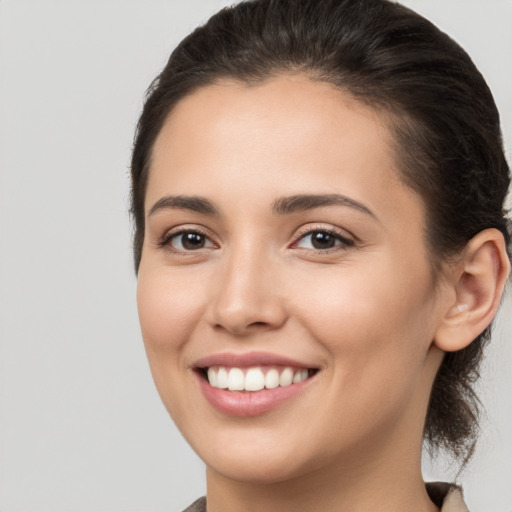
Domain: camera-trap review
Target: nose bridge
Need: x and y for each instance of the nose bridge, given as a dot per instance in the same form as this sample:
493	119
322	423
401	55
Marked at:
247	295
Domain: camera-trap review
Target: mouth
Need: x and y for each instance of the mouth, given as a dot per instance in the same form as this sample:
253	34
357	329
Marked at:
251	384
254	378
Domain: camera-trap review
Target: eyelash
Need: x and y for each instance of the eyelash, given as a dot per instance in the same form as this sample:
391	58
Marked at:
344	242
166	241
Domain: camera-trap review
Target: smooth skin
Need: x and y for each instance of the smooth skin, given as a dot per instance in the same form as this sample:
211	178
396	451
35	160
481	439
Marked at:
346	287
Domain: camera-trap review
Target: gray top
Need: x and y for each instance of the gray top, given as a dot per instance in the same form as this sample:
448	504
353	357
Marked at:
446	496
198	506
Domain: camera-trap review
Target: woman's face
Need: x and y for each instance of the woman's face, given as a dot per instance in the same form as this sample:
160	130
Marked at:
282	249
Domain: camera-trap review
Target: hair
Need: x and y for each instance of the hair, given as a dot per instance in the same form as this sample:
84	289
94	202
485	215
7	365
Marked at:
444	120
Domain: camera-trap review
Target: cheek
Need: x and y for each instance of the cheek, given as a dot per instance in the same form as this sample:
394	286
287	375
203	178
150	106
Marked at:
169	307
374	324
358	300
168	311
378	341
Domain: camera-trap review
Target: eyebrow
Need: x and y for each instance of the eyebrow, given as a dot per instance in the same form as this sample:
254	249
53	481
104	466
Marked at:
281	206
301	202
193	203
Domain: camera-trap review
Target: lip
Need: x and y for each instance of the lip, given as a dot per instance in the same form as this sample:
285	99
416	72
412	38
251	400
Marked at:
249	403
247	359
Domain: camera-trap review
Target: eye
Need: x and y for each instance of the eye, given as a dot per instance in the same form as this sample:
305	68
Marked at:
188	241
322	240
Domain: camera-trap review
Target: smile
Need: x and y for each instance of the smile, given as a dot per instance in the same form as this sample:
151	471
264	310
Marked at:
255	378
251	384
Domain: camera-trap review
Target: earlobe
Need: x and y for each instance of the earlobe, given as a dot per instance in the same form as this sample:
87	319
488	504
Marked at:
478	282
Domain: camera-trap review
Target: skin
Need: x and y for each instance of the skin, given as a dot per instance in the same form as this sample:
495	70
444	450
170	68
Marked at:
365	313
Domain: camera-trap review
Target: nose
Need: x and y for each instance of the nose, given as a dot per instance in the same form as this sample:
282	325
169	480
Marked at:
248	296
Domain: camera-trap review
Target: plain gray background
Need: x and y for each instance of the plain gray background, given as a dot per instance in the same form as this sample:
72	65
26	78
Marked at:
81	426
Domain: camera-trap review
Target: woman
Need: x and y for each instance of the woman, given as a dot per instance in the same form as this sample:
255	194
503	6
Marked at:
318	192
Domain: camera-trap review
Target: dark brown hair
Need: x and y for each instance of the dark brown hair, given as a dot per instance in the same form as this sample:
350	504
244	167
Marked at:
445	122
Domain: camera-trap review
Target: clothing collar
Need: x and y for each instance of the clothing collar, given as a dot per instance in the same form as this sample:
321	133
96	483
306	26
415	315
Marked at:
447	497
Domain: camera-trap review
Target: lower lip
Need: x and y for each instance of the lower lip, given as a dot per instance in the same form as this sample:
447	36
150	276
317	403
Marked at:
249	403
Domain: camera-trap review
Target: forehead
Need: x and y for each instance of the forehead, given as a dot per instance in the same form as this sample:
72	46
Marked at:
288	135
310	109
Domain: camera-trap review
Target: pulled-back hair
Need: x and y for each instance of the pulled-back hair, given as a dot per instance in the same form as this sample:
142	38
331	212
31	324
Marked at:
444	120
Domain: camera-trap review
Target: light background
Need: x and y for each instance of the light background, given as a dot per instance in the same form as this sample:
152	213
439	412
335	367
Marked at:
81	426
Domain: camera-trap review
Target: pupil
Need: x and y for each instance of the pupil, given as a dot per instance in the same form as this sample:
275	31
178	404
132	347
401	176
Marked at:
321	240
192	241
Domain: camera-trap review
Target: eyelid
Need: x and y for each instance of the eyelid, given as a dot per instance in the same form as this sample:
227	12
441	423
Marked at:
347	239
166	238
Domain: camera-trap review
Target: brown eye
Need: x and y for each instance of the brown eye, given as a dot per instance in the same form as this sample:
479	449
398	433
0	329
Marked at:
189	241
321	240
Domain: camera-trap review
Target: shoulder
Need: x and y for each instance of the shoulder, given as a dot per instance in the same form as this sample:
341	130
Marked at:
447	496
198	506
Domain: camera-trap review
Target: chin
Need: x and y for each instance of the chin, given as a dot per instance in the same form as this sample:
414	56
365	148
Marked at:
265	460
257	469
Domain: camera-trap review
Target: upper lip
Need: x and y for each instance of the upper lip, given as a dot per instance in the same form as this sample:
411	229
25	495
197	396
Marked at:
231	359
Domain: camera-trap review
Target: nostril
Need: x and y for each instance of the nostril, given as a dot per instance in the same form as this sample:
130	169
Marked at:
258	324
241	327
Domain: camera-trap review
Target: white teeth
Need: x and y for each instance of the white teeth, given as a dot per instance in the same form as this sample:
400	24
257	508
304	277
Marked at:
236	380
212	377
300	375
272	379
222	379
254	378
286	378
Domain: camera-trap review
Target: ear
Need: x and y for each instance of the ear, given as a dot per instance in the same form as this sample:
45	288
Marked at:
477	281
